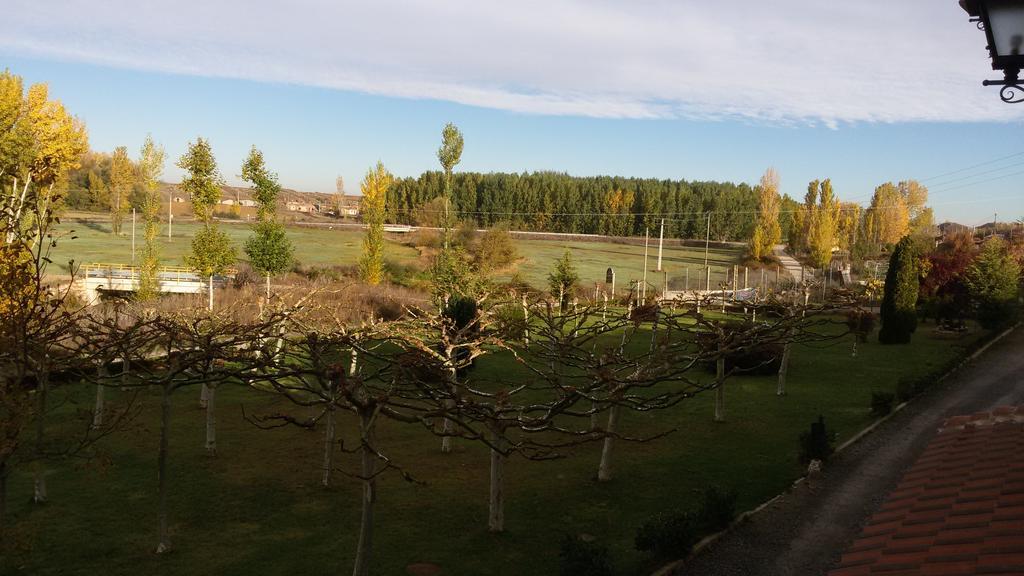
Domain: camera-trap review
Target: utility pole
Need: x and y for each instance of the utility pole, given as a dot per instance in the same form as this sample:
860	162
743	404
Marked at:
133	236
647	238
707	241
661	242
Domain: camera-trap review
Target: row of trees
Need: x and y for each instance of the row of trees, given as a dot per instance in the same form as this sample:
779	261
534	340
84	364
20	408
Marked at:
557	202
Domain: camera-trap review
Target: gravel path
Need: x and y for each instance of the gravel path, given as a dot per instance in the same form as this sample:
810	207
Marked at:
789	264
805	532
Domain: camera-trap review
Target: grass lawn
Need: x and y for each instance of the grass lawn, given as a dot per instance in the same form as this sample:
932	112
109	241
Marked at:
93	242
257	507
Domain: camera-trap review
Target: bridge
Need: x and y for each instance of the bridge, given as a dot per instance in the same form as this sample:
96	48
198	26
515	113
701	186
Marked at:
95	280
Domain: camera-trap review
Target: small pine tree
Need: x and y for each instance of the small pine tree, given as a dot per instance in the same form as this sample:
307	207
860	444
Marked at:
563	279
899	301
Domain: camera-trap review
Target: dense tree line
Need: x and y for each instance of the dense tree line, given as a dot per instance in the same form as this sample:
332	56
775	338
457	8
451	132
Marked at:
556	202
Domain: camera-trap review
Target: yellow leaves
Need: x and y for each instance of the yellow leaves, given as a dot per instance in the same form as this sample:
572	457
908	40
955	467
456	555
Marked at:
17	281
58	139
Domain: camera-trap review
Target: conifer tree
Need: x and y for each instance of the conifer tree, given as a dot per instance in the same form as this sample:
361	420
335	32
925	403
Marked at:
899	301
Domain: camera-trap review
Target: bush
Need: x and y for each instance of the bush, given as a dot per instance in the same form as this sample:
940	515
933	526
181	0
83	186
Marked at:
717	510
244	276
816	444
881	403
510	320
581	558
861	323
667	536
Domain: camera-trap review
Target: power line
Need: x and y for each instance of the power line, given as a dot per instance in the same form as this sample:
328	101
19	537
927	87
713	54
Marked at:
1014	155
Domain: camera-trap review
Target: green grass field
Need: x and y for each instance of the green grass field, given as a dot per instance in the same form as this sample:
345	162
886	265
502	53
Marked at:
86	241
257	507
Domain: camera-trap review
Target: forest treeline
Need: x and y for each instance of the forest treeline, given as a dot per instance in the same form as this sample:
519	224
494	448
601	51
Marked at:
558	202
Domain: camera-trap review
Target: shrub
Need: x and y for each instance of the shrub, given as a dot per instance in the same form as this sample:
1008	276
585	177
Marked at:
881	403
816	444
511	321
717	510
578	557
861	323
667	535
899	313
244	276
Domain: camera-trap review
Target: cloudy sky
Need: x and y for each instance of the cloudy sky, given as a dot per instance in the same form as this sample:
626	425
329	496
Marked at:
862	92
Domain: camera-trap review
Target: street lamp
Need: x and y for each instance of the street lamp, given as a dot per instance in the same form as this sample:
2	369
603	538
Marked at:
1003	24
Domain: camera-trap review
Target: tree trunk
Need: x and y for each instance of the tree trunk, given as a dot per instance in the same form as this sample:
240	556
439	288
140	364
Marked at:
210	304
783	370
97	412
211	421
204	396
328	447
526	322
268	286
3	500
446	428
164	544
368	469
604	469
39	480
496	504
720	390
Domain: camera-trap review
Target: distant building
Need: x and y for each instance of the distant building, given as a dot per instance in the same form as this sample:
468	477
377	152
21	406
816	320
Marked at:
248	203
305	207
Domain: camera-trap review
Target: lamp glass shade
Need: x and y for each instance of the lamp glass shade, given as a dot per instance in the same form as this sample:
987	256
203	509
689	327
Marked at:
1006	21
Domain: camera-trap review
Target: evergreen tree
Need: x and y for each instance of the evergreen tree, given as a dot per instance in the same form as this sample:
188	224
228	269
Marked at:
375	189
563	279
993	281
899	301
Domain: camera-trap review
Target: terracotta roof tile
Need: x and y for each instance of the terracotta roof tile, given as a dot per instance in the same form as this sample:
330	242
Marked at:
959	510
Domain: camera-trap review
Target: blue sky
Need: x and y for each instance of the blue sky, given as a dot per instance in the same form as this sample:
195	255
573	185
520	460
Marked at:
643	89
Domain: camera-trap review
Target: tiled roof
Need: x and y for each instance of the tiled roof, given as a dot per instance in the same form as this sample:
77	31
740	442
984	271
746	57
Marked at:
958	511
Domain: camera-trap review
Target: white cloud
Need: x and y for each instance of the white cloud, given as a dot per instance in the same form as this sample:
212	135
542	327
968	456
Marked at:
781	62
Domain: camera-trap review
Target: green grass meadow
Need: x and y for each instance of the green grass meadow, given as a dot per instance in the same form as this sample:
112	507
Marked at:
257	507
90	241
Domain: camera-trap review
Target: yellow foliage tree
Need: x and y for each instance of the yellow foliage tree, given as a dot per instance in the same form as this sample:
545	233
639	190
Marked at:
375	191
888	217
767	231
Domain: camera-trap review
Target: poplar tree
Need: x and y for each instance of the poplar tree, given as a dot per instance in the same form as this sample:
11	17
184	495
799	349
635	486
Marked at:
449	154
375	189
899	301
824	220
768	230
122	177
151	166
269	250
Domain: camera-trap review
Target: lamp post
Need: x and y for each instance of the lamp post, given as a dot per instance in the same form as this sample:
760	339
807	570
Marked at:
1003	24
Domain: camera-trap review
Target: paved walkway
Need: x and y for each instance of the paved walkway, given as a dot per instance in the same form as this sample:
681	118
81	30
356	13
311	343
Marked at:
805	532
789	264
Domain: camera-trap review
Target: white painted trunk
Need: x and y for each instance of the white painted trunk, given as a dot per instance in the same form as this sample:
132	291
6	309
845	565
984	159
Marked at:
268	286
526	322
204	395
211	421
39	477
210	305
604	469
